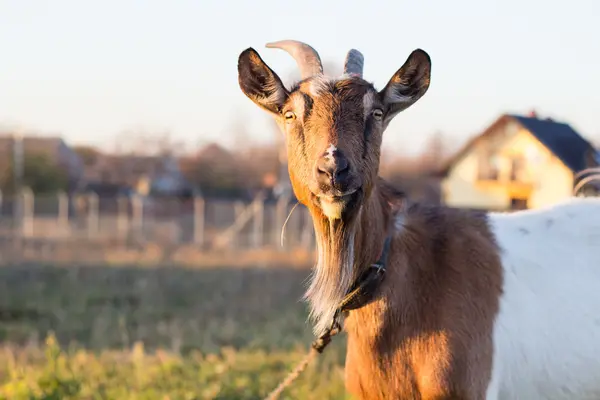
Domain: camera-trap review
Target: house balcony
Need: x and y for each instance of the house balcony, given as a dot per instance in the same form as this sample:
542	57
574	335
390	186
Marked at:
514	186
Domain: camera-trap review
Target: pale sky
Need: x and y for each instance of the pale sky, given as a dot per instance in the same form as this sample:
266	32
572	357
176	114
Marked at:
93	70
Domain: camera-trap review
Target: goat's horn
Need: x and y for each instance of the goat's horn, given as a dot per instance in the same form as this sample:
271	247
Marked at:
354	63
306	57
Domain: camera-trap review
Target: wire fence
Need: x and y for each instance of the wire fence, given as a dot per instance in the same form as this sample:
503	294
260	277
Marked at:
86	227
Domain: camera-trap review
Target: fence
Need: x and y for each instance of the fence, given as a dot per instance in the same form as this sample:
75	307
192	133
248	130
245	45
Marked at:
87	228
43	226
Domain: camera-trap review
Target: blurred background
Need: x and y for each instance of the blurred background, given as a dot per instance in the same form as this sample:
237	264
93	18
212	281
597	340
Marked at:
142	195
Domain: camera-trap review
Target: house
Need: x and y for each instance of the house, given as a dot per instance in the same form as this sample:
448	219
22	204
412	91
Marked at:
517	162
57	151
142	174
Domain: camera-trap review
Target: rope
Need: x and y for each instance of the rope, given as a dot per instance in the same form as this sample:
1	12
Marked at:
317	347
361	292
292	376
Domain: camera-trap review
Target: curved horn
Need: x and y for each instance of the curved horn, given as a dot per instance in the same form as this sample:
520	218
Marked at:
354	63
306	57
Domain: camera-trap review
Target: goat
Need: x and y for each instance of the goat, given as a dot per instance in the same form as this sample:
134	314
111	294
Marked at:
474	305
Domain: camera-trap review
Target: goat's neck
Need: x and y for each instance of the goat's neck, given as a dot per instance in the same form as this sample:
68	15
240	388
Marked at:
346	249
364	324
373	225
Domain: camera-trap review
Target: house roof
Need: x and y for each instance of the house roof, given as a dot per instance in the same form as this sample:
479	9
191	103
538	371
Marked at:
560	138
38	144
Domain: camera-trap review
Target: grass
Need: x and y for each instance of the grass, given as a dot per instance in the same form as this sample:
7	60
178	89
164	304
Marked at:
109	332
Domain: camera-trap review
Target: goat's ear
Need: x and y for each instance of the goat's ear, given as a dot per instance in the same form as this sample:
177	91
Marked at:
259	82
408	84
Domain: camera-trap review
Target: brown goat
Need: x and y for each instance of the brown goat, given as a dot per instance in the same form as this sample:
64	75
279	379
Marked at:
436	324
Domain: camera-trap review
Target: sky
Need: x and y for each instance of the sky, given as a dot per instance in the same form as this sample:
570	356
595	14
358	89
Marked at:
96	72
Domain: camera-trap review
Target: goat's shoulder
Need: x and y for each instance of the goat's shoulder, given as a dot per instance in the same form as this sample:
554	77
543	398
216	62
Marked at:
442	227
445	284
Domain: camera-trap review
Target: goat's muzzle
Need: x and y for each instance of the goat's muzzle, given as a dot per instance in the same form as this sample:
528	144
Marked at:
333	170
336	189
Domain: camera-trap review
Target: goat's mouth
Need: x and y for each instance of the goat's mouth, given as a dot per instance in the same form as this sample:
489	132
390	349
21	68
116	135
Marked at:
335	205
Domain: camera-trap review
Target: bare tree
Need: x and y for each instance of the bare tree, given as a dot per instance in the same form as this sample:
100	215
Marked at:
434	152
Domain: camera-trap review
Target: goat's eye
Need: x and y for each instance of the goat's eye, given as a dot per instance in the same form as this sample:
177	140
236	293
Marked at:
289	116
377	114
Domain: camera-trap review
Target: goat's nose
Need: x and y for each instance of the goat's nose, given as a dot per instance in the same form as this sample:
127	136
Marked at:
332	167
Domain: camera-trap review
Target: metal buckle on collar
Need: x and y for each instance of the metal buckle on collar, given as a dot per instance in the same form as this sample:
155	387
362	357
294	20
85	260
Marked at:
380	269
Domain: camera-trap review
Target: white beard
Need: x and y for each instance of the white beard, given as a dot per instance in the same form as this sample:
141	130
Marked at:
332	276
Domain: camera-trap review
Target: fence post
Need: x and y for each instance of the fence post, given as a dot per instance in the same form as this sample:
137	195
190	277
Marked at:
199	213
28	212
137	211
92	217
63	212
17	211
238	208
257	235
122	216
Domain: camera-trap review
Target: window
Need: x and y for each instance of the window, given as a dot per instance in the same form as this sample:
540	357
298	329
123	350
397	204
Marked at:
489	165
517	168
518	204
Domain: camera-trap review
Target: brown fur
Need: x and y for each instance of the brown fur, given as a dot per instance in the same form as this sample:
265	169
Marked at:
335	117
428	335
428	332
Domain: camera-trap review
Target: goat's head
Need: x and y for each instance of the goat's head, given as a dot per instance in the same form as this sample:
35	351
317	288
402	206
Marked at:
333	127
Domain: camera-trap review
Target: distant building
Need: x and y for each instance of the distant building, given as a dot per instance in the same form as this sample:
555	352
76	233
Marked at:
55	149
144	175
517	162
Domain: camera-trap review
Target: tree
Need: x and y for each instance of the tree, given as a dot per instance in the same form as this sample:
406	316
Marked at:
215	171
434	152
39	174
89	155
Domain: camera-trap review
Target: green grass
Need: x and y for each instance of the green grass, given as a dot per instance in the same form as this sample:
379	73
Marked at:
84	332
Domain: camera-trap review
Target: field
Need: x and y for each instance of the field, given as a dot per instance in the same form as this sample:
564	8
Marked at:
133	332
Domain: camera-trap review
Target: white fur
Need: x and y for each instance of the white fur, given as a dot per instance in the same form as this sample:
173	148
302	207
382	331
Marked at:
392	94
332	209
547	333
331	279
329	152
277	93
318	84
399	223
